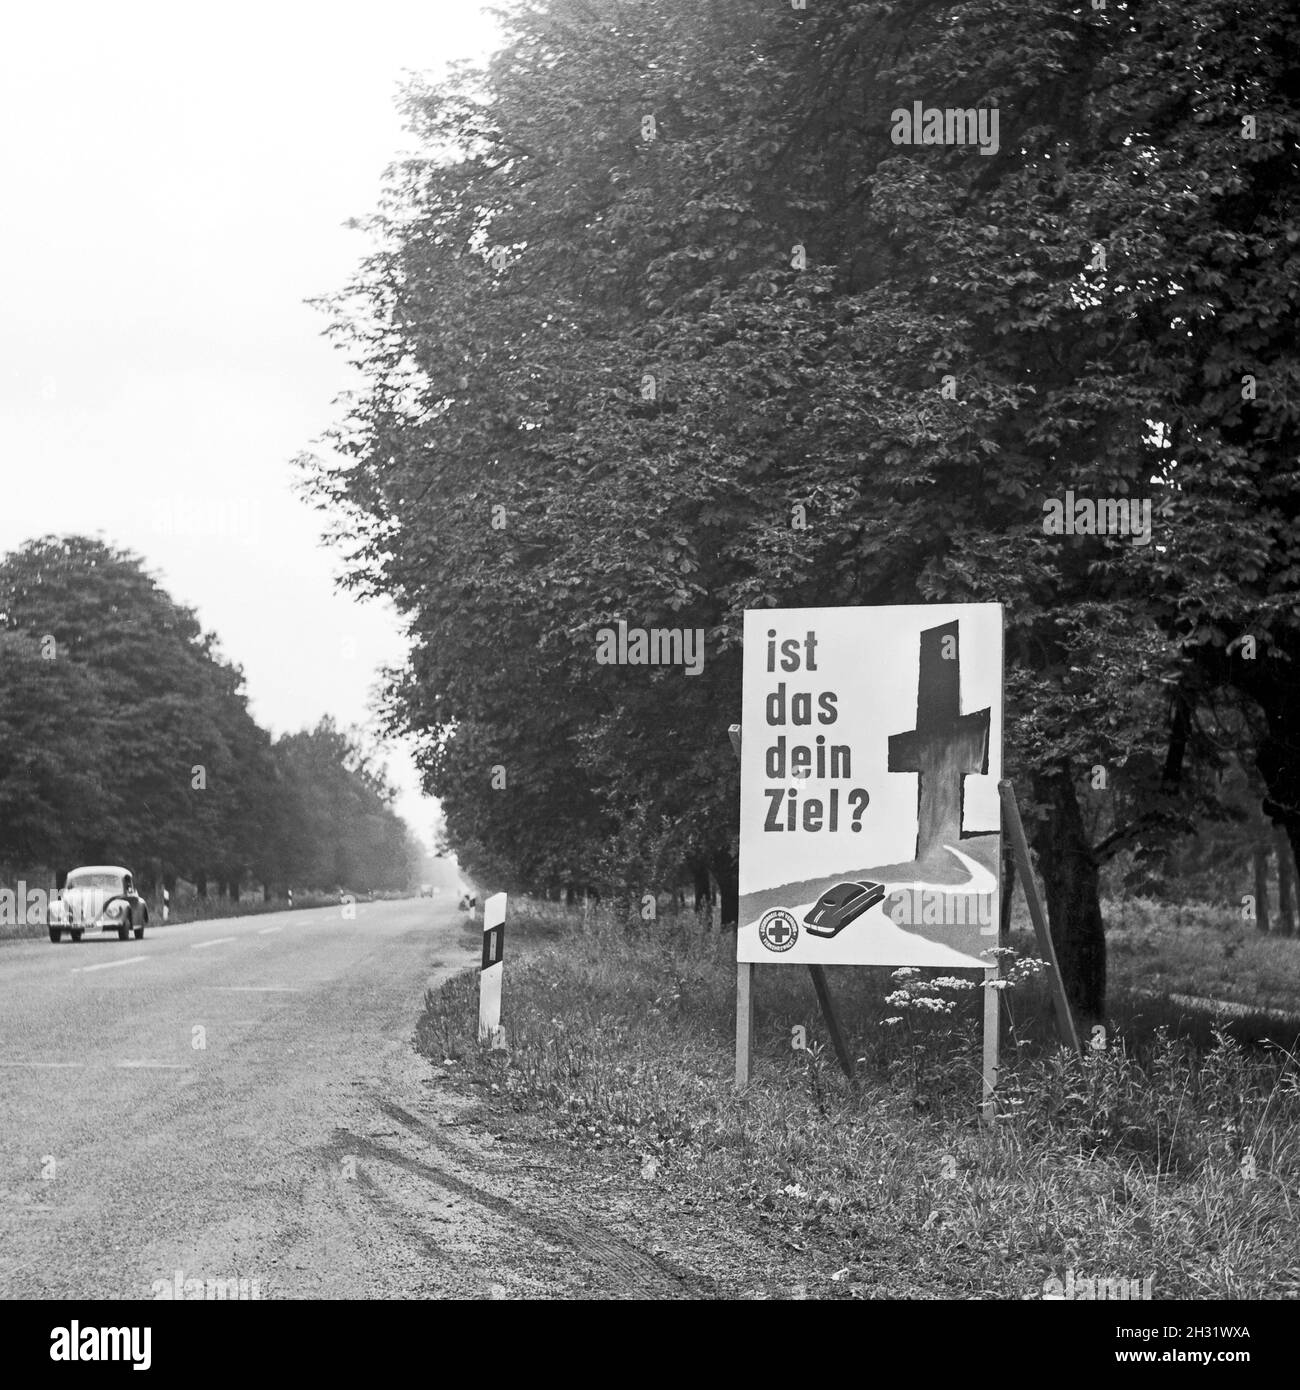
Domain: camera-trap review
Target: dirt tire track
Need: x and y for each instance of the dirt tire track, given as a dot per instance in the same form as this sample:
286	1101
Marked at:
636	1273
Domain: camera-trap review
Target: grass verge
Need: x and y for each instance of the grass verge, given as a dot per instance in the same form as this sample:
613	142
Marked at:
1204	950
1173	1154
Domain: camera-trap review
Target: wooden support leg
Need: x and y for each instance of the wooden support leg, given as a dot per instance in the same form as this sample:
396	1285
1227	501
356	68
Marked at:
988	1111
1020	845
1008	890
744	1022
818	974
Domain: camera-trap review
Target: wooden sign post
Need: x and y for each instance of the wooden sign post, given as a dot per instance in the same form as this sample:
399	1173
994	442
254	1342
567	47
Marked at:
744	1022
988	1104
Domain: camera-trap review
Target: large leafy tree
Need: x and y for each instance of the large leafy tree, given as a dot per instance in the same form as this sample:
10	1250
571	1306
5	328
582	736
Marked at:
161	697
666	326
52	753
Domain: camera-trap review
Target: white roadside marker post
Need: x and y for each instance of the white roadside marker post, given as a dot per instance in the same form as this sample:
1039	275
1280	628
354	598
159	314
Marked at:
491	969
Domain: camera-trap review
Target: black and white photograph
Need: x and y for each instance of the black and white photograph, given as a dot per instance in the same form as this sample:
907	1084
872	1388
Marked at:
649	652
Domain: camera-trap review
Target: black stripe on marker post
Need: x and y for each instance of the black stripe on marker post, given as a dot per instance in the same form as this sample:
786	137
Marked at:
494	945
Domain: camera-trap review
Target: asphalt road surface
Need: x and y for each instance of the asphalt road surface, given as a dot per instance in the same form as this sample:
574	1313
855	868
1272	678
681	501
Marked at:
235	1100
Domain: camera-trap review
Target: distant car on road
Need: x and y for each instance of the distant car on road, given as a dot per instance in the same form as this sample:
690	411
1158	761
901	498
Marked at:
839	906
98	897
468	900
426	890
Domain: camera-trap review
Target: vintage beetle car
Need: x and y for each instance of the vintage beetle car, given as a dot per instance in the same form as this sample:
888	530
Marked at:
839	906
98	897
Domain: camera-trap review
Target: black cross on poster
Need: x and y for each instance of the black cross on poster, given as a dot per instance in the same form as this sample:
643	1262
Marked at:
945	746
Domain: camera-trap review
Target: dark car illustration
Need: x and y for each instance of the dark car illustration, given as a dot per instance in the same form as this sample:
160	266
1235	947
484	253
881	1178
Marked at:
839	906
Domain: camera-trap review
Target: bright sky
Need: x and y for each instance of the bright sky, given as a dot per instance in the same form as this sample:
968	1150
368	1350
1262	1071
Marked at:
173	183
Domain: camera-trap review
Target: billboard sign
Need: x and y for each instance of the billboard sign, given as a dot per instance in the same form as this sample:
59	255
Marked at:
870	828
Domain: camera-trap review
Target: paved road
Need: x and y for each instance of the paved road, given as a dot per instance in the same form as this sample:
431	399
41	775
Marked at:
218	1099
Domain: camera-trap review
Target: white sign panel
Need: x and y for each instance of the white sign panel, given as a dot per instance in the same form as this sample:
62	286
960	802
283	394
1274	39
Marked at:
871	748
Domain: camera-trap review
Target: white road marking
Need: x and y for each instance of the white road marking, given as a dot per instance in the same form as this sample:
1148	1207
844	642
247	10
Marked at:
258	989
266	931
166	1066
107	965
203	945
42	1064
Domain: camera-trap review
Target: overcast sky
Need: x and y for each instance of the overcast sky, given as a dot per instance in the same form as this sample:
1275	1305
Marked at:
173	183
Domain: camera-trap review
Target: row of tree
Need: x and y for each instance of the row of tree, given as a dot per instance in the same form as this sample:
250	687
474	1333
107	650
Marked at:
663	325
126	738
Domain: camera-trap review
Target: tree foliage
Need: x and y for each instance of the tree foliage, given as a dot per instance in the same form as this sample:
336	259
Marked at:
126	737
663	326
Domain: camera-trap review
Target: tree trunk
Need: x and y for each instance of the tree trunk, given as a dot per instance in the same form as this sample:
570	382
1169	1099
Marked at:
1286	894
1278	760
703	897
1069	872
1261	885
201	884
727	872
